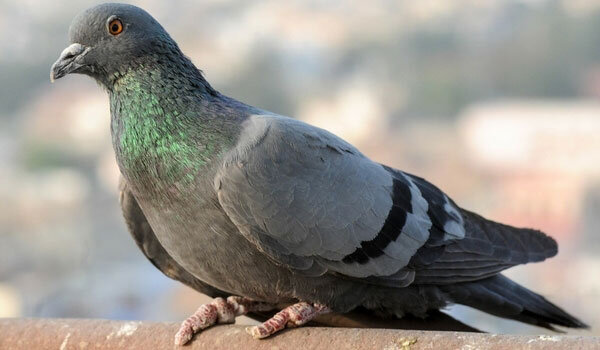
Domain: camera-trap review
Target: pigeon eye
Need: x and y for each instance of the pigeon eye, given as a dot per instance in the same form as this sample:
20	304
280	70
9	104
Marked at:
115	27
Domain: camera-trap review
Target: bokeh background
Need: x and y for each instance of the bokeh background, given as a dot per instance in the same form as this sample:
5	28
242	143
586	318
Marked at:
497	102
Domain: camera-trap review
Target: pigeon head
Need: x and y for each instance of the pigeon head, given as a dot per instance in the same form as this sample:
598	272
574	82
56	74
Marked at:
109	39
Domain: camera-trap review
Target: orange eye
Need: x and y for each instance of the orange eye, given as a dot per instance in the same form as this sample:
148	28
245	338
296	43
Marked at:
115	27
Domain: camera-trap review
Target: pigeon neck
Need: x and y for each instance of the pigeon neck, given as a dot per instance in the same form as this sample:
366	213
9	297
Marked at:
169	68
166	131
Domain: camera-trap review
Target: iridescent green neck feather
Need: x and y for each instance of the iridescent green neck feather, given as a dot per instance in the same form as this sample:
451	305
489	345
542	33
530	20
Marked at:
167	127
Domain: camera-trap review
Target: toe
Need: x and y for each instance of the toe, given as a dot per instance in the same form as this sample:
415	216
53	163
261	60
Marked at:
184	335
257	332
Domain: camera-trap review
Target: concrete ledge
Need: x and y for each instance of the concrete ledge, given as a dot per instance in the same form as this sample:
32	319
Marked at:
64	334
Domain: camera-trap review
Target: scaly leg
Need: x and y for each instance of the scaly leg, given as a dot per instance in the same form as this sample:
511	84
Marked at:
217	311
292	316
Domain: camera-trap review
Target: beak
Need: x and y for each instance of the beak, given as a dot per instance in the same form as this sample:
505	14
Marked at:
69	61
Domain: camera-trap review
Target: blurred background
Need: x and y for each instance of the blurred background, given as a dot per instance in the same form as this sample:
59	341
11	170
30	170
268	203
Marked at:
496	102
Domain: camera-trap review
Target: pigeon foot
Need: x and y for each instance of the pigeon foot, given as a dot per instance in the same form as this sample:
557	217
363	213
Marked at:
292	316
215	312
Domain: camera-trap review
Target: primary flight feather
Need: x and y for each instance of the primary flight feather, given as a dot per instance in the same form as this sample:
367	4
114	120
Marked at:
240	202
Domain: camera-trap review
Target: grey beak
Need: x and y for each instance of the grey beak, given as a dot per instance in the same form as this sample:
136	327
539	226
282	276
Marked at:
69	61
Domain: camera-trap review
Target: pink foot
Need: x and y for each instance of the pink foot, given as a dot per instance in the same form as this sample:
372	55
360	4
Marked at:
292	316
217	311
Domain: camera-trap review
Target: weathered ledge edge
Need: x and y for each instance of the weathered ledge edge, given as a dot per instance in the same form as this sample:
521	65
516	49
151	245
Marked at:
64	334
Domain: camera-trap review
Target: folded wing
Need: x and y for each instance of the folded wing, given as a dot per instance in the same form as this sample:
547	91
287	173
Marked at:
314	203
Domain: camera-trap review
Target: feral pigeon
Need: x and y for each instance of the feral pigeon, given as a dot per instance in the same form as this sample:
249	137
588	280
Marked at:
262	210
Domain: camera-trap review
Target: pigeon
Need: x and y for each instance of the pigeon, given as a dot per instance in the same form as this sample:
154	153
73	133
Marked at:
266	212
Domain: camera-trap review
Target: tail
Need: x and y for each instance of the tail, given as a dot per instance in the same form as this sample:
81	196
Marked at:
502	297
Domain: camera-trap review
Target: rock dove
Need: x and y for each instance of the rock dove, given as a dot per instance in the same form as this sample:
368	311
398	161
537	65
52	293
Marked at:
264	211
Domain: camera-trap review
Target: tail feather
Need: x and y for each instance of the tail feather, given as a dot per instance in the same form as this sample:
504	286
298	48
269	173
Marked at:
502	297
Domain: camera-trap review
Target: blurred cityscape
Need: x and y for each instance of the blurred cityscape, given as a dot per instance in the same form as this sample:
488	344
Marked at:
496	102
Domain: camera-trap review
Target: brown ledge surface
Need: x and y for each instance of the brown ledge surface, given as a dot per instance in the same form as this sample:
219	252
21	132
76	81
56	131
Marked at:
64	334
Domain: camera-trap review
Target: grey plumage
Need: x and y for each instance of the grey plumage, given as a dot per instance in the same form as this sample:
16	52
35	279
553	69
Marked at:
230	199
144	237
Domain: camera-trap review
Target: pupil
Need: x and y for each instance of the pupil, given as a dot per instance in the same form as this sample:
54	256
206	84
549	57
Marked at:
115	27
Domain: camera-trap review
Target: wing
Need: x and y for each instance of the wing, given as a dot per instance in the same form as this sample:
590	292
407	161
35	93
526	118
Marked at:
145	239
315	204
